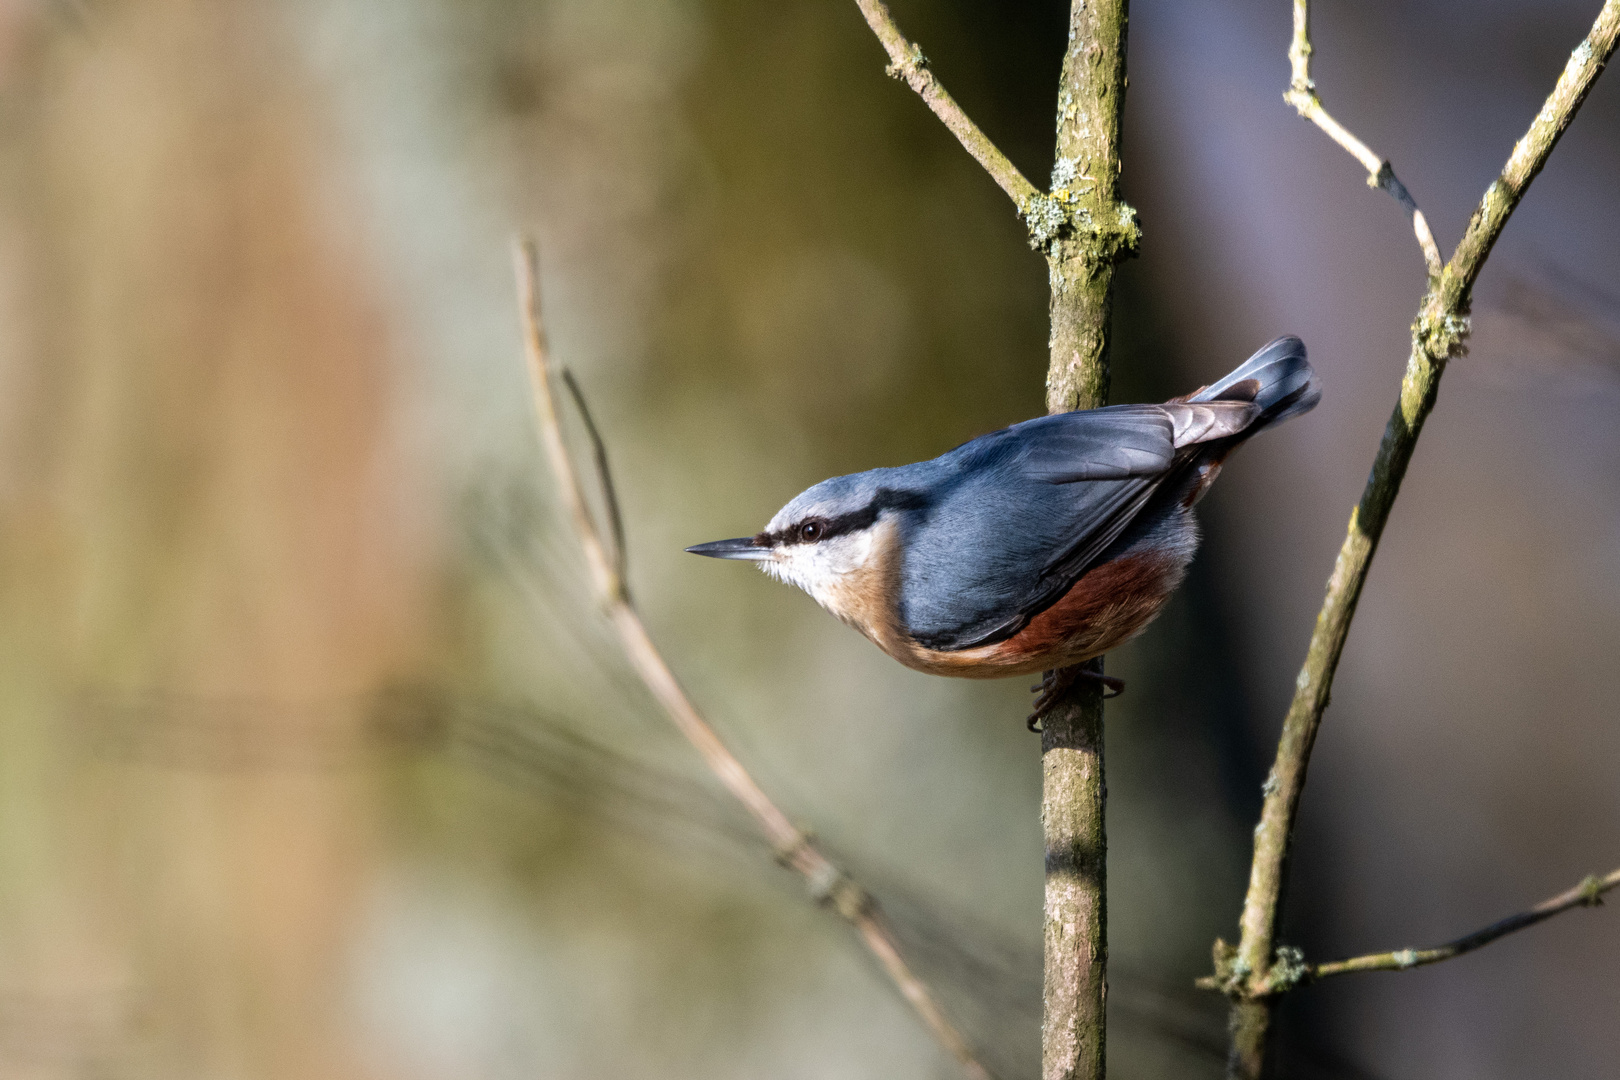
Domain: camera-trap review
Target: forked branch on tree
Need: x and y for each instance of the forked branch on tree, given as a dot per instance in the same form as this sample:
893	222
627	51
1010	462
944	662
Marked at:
1084	229
1248	972
1589	893
1301	94
795	848
907	62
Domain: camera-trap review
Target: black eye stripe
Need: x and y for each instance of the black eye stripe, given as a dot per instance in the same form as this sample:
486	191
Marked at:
843	524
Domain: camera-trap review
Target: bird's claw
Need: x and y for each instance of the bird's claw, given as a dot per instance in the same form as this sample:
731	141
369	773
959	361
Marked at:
1053	683
1111	687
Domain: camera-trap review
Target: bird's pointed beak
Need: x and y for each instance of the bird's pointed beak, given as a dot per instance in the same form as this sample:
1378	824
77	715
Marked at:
743	547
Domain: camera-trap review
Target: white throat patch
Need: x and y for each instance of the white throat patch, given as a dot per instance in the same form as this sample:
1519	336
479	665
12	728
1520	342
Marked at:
826	570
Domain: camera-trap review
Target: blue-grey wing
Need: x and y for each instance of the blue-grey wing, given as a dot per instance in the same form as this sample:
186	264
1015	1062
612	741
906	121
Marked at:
1021	514
1115	443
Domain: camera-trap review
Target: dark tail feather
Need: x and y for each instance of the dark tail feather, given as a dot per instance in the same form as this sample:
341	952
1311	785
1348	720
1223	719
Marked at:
1278	378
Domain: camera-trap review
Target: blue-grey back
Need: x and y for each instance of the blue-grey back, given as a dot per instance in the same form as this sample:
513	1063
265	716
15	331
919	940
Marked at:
1009	515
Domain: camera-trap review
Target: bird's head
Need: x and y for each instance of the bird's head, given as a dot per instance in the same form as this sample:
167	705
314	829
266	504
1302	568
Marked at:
823	540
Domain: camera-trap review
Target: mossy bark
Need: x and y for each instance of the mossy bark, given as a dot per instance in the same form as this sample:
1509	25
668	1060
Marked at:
1085	230
1097	229
1439	332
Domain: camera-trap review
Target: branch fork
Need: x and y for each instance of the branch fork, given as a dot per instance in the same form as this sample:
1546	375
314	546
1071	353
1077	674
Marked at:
1051	216
1259	970
829	884
1288	968
1084	229
1301	94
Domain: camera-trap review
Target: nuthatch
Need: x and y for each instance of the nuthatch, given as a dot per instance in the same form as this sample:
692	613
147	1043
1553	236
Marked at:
1032	548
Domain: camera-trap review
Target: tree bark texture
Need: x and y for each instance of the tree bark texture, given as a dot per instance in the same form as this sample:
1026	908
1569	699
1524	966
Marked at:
1073	1033
1084	229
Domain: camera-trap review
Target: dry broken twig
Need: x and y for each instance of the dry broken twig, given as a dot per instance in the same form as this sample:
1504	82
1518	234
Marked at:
794	847
1301	94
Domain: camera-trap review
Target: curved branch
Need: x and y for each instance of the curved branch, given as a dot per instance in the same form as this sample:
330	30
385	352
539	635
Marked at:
1438	334
796	849
907	62
1301	94
1589	893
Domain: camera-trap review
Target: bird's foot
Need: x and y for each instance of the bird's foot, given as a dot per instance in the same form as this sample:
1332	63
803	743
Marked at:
1050	688
1053	684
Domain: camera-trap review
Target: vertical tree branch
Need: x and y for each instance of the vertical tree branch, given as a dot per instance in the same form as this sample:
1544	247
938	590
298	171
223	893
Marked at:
1073	794
1084	229
1250	972
1091	230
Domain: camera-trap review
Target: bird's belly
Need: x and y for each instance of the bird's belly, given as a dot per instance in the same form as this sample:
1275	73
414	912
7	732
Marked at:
1107	606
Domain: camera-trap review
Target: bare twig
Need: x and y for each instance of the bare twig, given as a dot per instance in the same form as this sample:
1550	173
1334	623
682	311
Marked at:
1291	970
795	848
1301	94
907	62
1589	893
604	476
1438	334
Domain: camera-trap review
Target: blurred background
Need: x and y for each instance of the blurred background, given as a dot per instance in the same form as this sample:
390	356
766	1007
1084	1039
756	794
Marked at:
316	757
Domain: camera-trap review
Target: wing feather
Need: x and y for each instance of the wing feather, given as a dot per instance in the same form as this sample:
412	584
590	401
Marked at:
1030	510
1013	519
1206	421
1115	443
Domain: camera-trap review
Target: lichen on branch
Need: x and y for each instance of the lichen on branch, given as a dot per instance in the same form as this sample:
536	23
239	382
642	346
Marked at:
1084	229
1439	333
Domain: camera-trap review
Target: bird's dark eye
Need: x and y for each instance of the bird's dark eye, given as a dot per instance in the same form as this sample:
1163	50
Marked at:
812	530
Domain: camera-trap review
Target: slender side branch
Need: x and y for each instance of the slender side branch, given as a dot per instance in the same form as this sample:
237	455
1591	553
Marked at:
604	477
907	62
795	848
1438	334
1301	94
1589	893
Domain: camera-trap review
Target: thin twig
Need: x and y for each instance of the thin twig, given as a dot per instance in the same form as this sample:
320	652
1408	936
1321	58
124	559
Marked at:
1589	893
1438	334
907	62
1301	94
604	476
795	848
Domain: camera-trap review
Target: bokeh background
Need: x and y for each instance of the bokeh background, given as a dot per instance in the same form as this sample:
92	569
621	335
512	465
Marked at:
316	758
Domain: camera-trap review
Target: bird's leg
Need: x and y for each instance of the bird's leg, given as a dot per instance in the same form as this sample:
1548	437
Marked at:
1053	683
